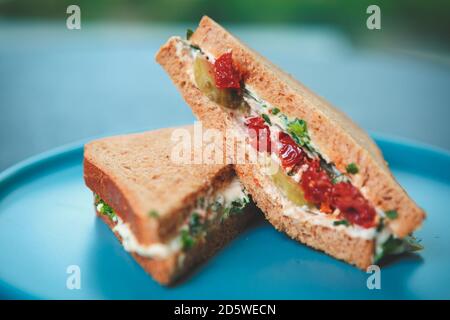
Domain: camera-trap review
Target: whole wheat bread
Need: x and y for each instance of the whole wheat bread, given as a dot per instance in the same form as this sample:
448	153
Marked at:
134	174
336	136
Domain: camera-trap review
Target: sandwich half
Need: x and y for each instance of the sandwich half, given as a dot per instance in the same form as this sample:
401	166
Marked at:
168	215
332	188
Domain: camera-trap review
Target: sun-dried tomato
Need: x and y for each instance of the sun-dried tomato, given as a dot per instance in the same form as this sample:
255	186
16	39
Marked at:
316	185
289	153
225	73
352	204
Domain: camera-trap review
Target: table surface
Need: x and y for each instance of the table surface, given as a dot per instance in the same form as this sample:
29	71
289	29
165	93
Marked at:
58	86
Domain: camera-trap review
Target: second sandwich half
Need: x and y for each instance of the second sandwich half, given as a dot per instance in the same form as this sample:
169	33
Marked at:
170	216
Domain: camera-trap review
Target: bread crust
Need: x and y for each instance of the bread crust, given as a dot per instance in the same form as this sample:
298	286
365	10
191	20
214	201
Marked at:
169	271
133	174
347	144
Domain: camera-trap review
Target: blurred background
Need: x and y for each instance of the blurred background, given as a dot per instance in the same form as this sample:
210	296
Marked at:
59	86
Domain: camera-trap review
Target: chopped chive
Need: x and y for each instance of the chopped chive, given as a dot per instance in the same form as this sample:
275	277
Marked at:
186	240
275	111
341	222
391	214
352	168
266	119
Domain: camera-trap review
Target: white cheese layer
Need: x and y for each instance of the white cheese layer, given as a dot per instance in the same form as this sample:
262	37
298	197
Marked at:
231	192
156	250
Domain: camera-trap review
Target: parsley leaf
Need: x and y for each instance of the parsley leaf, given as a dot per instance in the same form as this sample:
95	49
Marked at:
275	111
397	246
341	222
266	119
352	168
105	209
299	132
391	214
186	239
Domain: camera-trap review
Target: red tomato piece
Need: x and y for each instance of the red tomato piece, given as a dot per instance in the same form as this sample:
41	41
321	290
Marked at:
317	185
290	153
352	204
225	73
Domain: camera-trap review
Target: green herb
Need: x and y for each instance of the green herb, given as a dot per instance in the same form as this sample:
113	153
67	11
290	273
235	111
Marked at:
195	47
187	241
105	209
153	214
397	246
237	206
299	132
413	244
195	224
189	33
266	119
275	111
391	214
341	222
352	168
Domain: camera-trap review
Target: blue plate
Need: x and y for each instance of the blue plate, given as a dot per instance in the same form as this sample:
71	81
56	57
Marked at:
47	224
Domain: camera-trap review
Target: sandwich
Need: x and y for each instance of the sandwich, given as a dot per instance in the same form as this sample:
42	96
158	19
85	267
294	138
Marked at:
332	189
168	215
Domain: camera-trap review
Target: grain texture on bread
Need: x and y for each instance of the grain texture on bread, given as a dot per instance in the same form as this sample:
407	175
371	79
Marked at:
168	271
335	135
135	174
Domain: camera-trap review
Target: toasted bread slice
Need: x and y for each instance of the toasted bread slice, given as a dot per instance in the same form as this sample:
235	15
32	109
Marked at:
339	140
152	199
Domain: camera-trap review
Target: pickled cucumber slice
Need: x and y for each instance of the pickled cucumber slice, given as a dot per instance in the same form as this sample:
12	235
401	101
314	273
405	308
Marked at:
204	78
289	187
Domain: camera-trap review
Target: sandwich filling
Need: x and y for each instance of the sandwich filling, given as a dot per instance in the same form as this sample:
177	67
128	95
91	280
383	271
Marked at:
209	211
309	186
